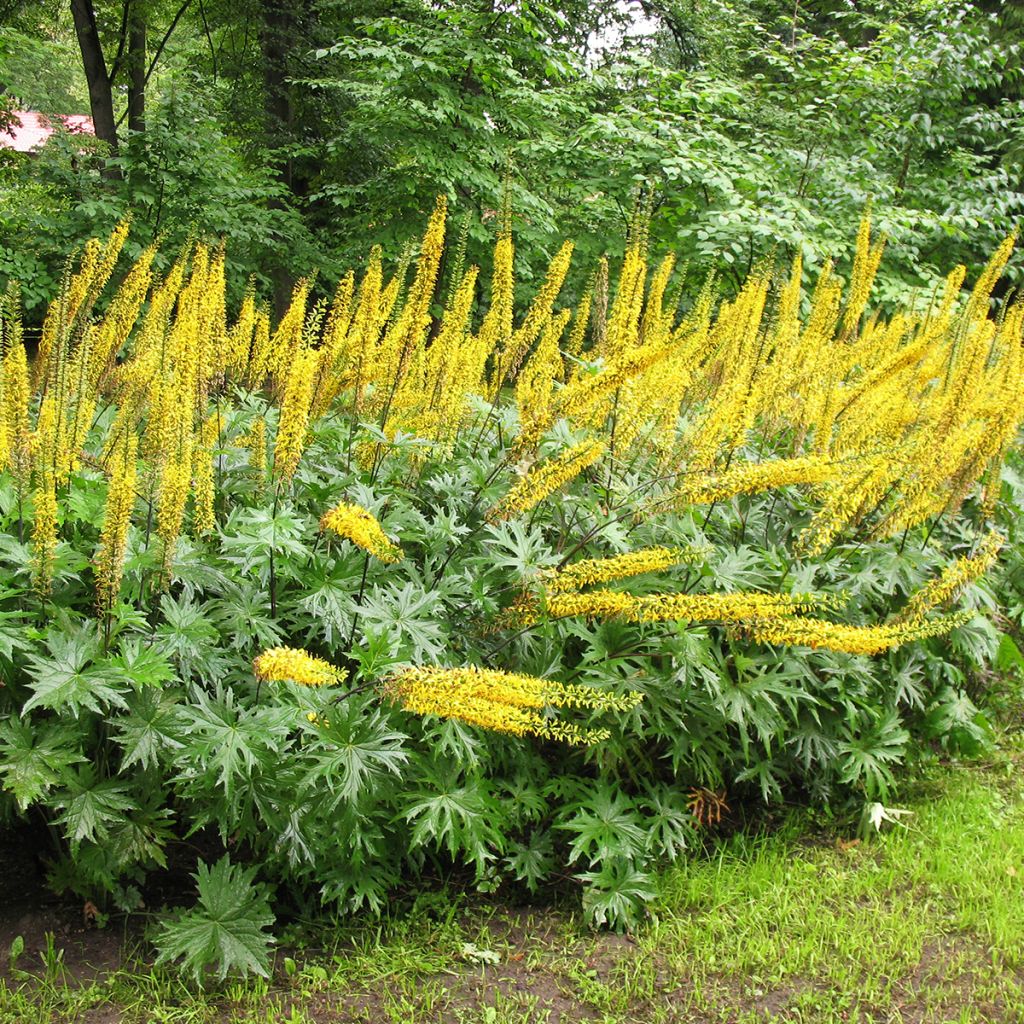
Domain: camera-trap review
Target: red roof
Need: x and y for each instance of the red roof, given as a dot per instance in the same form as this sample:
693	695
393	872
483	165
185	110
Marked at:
29	129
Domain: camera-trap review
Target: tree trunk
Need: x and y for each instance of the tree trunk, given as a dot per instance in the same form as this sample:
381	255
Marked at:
101	101
137	70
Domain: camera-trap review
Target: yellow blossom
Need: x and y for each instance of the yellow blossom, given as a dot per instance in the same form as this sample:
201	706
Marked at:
174	487
294	422
16	410
833	636
600	570
953	578
537	484
357	524
752	478
503	701
44	534
736	607
117	516
279	664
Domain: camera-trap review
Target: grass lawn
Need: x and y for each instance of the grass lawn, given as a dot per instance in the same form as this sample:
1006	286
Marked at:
919	924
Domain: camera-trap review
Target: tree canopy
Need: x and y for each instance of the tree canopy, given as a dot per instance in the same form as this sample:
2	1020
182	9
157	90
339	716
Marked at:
305	133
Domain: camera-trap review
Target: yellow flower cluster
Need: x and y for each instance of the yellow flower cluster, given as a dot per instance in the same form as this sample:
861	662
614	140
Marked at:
531	489
204	518
953	579
357	524
281	664
737	607
616	567
891	422
752	478
44	534
503	701
818	633
117	517
294	423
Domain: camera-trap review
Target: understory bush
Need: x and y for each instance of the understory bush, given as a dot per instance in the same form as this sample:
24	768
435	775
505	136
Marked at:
415	584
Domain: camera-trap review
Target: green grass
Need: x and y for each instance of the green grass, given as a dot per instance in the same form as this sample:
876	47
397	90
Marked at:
919	924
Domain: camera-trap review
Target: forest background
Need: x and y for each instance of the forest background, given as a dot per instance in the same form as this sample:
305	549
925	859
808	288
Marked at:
305	133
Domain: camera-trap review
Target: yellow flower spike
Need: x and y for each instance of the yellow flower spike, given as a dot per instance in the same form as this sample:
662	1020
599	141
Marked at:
496	329
503	701
953	579
865	266
291	664
204	519
286	341
738	607
121	315
44	534
16	411
117	515
294	422
753	478
357	524
260	353
510	357
543	481
600	570
833	636
173	491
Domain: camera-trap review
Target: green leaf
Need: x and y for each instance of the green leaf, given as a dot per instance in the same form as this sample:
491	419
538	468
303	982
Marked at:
148	728
91	805
33	760
461	818
226	928
225	742
865	758
606	826
354	747
615	895
73	678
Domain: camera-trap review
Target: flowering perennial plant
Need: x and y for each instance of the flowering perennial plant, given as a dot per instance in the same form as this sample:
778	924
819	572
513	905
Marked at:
773	516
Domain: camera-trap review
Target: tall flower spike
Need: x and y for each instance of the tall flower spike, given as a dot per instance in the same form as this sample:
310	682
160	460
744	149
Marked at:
539	483
953	579
116	521
357	524
175	483
833	636
504	701
753	478
616	567
202	470
736	607
294	422
44	534
281	664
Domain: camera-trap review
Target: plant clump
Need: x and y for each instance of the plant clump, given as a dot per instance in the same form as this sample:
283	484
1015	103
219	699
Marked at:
573	559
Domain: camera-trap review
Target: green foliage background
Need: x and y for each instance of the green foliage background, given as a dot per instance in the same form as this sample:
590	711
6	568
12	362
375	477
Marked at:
759	126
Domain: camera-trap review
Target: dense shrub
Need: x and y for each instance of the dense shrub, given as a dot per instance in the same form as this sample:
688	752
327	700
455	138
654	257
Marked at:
696	555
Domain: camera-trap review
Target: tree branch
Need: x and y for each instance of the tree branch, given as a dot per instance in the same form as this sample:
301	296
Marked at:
122	39
160	49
